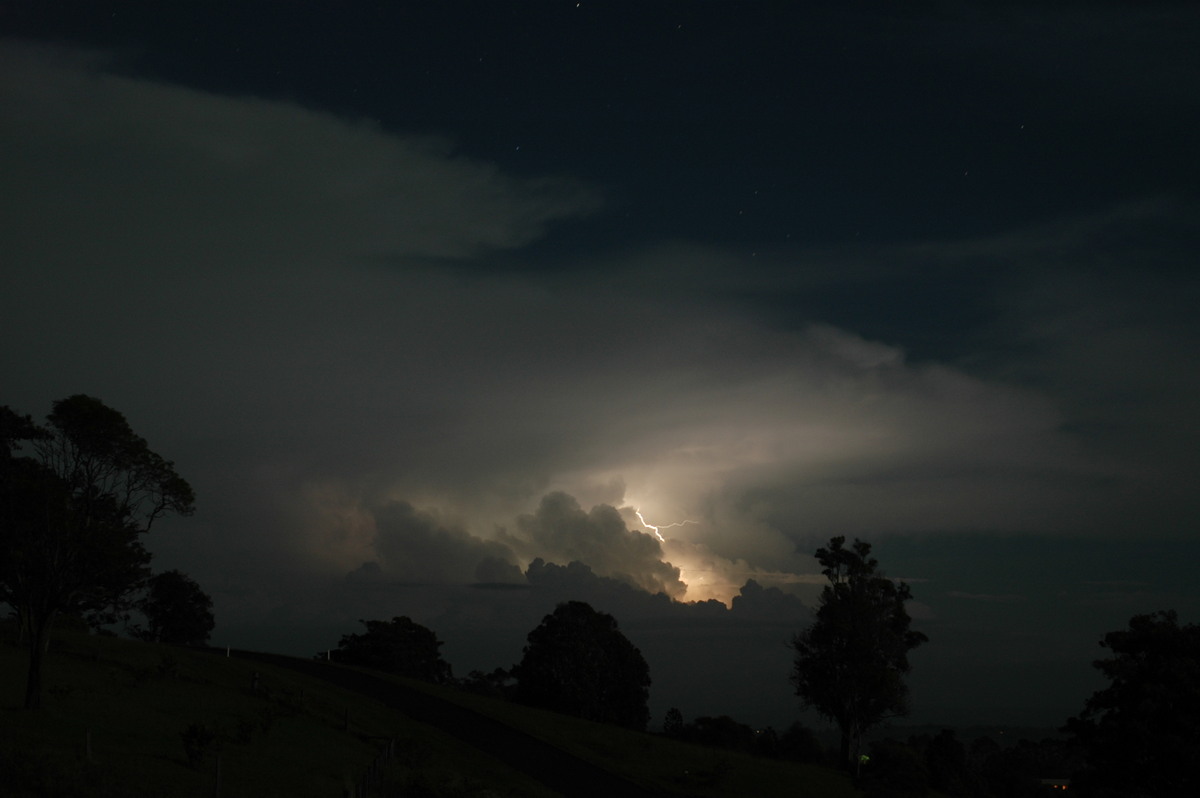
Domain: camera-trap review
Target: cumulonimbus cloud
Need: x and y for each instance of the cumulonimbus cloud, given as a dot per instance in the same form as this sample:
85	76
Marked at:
562	530
311	352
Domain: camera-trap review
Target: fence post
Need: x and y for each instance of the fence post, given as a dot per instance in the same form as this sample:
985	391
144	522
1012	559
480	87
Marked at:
217	779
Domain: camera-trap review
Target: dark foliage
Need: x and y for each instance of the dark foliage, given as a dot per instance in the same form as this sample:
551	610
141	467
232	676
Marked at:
673	723
398	646
176	609
767	742
894	770
498	683
720	732
199	744
1141	734
850	664
1019	770
985	769
946	763
72	514
797	743
801	744
577	662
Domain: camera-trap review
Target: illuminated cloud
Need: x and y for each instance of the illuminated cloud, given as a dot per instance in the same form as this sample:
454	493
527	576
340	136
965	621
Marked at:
561	529
407	380
306	265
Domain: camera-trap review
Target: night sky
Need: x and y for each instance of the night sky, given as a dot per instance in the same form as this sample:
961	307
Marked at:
428	301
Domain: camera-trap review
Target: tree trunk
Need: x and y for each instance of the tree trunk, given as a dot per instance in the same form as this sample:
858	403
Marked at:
39	641
23	625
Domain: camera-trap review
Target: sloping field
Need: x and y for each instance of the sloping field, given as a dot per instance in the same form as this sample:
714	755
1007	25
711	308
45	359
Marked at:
293	736
123	718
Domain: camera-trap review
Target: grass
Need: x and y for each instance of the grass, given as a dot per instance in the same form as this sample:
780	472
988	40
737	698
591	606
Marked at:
136	703
656	761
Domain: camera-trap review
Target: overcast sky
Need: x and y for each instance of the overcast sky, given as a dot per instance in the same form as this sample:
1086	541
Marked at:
429	301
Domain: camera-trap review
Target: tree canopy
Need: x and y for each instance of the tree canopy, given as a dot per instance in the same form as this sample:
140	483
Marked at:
73	512
577	662
399	646
1140	734
176	609
851	662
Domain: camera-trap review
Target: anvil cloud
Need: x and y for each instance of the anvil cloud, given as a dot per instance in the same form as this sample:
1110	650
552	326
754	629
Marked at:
400	384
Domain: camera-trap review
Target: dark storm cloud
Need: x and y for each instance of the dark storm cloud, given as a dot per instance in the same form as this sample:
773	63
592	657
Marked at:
415	546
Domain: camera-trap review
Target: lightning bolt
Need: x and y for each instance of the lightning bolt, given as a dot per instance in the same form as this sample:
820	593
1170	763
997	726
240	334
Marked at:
654	529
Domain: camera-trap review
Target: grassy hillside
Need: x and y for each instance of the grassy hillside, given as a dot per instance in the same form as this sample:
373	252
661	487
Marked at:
137	700
660	762
299	736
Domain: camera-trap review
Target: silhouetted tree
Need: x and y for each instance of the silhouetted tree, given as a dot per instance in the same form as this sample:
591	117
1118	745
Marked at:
497	683
176	609
72	516
766	742
399	646
577	662
894	770
984	756
946	762
800	744
1141	734
850	664
673	722
720	732
1018	770
1015	771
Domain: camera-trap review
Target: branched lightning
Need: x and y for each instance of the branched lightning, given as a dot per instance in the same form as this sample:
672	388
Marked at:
654	529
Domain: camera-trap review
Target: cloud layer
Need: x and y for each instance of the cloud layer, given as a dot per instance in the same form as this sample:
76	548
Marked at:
337	332
232	271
